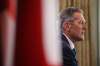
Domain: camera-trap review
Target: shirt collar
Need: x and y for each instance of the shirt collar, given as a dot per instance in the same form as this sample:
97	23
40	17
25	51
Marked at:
70	42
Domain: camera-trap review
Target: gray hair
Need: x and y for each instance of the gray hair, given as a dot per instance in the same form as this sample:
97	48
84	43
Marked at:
67	14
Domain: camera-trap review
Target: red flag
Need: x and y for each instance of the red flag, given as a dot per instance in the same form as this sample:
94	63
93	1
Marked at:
36	42
32	44
29	51
9	32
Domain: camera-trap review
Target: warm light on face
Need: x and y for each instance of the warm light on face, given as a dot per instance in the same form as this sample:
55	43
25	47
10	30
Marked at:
78	27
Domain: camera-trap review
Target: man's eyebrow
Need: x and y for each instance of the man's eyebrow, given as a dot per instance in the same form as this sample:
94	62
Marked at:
77	18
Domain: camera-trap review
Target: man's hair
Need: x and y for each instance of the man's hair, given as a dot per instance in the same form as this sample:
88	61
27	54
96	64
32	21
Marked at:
67	14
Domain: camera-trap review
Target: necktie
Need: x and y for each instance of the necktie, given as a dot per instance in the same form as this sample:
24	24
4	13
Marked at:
74	51
74	57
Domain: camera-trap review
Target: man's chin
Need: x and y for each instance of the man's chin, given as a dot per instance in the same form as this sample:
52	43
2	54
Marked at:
80	38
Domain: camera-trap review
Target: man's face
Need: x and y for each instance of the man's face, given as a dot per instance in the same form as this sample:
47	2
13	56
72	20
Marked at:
78	27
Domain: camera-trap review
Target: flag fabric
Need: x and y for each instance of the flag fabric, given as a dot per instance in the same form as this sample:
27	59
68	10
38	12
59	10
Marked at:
31	36
9	28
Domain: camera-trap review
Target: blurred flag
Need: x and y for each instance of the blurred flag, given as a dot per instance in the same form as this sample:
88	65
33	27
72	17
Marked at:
50	24
31	38
9	28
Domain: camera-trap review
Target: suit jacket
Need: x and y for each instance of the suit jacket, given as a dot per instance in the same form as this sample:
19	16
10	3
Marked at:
69	55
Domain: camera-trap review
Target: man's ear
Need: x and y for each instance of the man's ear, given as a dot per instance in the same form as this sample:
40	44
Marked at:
66	26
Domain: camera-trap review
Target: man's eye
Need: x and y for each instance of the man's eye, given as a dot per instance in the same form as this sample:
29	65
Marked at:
80	22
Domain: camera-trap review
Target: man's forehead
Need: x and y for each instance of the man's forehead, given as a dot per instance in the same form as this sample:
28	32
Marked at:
80	16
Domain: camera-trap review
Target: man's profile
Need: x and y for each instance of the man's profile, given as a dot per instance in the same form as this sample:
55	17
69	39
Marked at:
73	27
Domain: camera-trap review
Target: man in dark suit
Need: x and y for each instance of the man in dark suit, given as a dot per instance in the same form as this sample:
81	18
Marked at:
73	26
